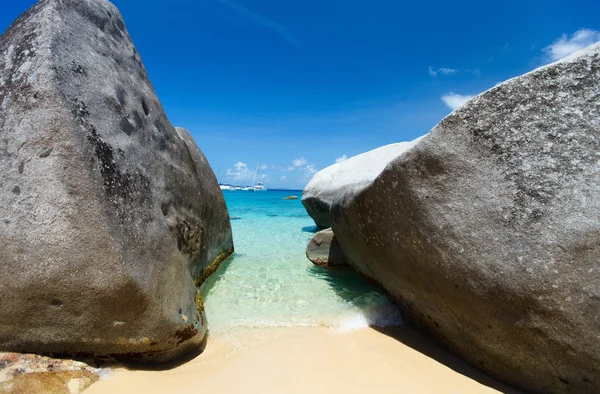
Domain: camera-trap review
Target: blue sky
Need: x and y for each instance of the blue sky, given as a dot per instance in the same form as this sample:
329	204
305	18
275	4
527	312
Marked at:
299	84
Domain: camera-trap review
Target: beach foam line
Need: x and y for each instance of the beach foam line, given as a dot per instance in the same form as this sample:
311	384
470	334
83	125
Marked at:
382	315
379	315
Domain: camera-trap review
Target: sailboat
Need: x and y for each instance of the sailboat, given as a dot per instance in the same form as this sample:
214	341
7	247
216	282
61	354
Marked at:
224	186
258	187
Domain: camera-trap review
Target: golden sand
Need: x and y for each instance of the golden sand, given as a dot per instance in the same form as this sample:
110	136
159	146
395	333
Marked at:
310	360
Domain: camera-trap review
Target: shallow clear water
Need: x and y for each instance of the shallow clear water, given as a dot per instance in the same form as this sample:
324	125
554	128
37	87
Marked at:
269	282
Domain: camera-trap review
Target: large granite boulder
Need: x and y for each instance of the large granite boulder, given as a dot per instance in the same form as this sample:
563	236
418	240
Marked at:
324	250
108	215
487	232
355	173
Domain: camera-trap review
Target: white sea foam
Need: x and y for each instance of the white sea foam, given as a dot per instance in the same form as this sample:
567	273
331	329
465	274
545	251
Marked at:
380	315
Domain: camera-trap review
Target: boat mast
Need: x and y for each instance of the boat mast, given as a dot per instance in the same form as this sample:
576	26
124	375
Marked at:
255	172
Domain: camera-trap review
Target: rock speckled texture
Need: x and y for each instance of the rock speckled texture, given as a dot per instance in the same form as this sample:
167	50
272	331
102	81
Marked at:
487	232
107	213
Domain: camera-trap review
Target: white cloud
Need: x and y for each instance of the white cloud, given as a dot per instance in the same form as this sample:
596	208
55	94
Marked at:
299	162
446	71
341	159
566	45
263	167
309	171
239	172
442	70
454	100
291	168
283	178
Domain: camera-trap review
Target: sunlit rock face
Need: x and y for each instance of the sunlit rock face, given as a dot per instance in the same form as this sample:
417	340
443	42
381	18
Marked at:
108	215
351	175
487	231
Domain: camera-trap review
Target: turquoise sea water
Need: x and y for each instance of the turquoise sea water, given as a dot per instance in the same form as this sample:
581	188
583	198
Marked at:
269	282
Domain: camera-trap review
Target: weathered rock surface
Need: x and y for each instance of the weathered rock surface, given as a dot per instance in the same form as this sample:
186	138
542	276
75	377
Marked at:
31	373
324	250
107	214
354	174
487	232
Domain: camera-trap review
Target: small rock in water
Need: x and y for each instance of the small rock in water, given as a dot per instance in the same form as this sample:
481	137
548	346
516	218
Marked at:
324	250
290	198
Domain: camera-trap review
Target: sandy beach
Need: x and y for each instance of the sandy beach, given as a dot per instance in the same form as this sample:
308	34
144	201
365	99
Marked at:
310	359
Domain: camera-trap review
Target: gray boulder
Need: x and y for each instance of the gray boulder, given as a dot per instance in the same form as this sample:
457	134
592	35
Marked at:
353	174
324	250
108	215
487	232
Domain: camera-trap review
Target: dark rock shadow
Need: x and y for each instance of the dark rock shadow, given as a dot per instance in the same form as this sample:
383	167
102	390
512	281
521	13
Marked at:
346	283
116	360
187	357
416	339
310	229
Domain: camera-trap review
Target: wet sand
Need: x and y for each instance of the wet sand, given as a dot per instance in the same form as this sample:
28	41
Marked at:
310	360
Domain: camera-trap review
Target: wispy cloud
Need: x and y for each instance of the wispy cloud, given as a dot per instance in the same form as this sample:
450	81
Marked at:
341	159
299	172
475	71
454	100
309	171
566	45
433	73
239	173
299	162
442	70
264	21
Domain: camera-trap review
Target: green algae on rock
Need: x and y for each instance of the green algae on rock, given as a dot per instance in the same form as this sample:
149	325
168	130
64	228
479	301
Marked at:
212	267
